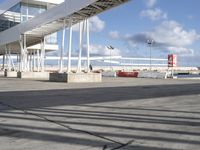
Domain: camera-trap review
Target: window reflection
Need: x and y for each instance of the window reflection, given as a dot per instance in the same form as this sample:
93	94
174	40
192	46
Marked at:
29	11
10	18
52	39
23	12
19	13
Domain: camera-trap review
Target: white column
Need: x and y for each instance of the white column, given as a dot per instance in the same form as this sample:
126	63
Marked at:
70	47
27	12
28	61
88	44
3	62
11	63
38	60
34	61
42	54
9	58
6	51
62	47
31	60
81	29
21	54
41	57
17	62
25	57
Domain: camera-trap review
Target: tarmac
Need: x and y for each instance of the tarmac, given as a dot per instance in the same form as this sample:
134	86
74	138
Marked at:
119	113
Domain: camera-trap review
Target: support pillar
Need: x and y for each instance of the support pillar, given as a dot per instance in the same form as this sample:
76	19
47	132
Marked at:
81	30
77	77
31	61
27	62
25	59
88	44
62	47
38	60
17	64
3	62
42	54
6	58
34	61
21	54
69	48
11	63
9	59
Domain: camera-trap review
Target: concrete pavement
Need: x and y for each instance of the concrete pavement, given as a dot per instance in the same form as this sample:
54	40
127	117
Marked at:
155	114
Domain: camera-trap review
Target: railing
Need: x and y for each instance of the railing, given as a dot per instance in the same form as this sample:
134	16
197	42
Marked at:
114	60
143	62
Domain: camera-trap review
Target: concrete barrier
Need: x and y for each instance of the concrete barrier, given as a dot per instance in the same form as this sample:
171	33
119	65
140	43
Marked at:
33	75
76	77
10	74
109	74
2	73
152	74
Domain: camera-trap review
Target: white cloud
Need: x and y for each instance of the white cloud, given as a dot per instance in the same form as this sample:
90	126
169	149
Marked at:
96	25
103	50
168	36
181	51
172	33
150	3
114	34
154	14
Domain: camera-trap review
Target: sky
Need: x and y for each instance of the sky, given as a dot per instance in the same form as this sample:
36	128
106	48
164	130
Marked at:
173	25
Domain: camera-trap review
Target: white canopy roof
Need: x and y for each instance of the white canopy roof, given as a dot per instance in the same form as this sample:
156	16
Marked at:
52	20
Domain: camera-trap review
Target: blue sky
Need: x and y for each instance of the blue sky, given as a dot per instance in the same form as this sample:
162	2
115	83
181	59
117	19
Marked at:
173	25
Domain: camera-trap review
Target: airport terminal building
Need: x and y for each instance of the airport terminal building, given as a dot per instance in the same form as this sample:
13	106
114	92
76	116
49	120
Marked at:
13	14
28	29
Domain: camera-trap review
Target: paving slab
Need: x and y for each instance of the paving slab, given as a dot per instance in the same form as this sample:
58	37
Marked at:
154	114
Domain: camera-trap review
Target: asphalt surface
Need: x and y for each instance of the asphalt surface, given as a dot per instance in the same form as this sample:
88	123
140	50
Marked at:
119	113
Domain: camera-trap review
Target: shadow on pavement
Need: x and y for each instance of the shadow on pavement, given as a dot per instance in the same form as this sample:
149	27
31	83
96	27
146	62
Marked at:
96	116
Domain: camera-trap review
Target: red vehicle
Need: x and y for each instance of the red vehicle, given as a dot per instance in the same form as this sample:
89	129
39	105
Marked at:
133	74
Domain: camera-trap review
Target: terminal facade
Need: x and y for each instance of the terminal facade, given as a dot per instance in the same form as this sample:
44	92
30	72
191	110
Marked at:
28	29
14	13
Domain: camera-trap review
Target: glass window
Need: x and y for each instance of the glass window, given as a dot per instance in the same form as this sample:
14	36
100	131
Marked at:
24	12
10	18
52	39
29	11
19	13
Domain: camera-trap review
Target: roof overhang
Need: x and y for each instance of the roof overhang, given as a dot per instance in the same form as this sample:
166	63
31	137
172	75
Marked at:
93	8
73	11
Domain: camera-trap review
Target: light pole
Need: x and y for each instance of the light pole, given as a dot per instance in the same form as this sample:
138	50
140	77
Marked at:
110	48
150	42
